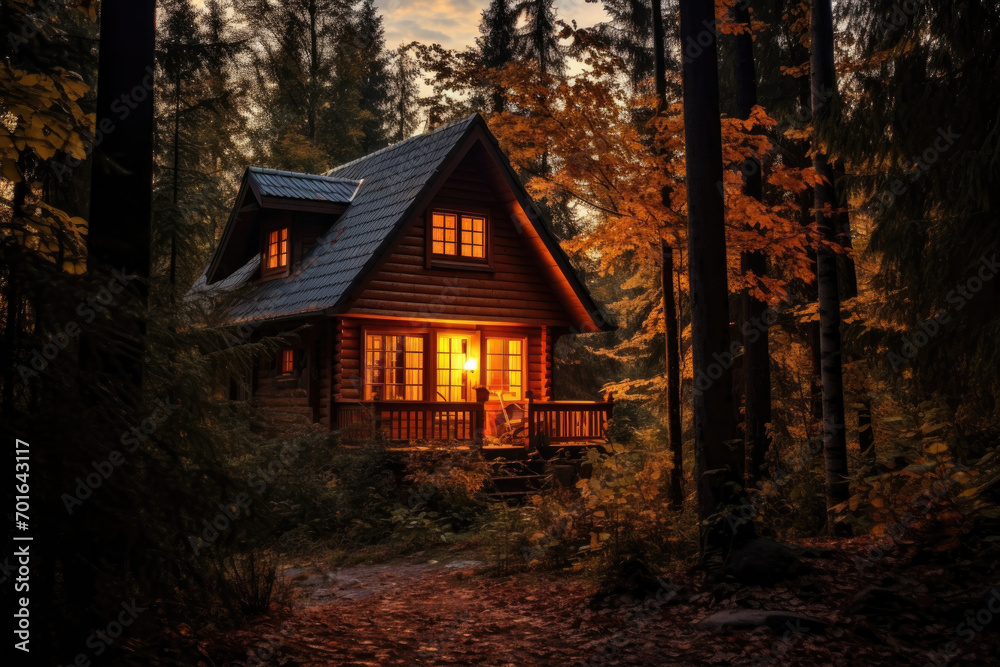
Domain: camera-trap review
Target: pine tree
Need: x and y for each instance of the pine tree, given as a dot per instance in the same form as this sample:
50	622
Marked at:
295	54
373	64
537	41
920	145
404	94
497	43
197	129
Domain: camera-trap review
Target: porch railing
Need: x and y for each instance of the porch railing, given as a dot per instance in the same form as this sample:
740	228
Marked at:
412	420
545	422
559	422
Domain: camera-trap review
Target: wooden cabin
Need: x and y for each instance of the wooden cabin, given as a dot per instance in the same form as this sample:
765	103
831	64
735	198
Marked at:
433	291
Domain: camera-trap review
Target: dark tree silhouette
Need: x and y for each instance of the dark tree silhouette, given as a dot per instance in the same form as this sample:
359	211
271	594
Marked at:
756	352
824	78
718	465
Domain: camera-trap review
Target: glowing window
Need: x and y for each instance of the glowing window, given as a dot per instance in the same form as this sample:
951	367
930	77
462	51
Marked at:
394	367
452	375
276	252
458	235
287	361
505	367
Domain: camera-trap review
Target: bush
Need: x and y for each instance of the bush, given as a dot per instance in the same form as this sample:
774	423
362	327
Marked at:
445	494
504	536
247	582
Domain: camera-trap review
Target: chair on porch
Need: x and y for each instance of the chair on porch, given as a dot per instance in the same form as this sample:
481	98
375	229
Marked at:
510	421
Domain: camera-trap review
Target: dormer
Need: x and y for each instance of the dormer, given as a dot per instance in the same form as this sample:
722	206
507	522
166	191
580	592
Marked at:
278	217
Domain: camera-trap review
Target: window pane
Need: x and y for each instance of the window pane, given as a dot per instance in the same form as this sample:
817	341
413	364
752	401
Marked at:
458	235
504	367
394	367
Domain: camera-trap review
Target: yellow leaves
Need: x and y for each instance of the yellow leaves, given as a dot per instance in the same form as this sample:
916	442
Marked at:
10	170
937	448
791	180
795	71
45	113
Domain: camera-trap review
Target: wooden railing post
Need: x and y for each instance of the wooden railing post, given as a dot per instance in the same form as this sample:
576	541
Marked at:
479	420
529	398
609	398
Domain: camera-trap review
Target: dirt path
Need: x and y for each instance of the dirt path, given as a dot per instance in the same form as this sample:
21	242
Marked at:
435	612
441	610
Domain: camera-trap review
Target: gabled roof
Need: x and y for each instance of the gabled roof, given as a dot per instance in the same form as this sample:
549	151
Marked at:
311	187
395	184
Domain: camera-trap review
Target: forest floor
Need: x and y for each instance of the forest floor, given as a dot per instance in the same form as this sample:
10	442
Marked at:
442	607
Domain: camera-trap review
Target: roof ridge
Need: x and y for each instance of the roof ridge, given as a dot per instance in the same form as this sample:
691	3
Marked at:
297	174
390	147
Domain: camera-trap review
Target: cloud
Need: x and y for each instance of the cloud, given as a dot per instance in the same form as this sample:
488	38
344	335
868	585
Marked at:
455	23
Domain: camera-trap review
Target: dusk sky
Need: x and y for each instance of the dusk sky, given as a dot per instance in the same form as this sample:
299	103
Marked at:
455	23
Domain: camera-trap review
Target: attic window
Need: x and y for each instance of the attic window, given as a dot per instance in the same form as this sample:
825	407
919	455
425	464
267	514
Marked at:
276	250
458	235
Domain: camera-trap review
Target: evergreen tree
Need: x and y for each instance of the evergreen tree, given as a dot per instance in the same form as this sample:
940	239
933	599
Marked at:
497	43
404	94
198	126
320	77
631	35
918	135
537	41
295	53
372	63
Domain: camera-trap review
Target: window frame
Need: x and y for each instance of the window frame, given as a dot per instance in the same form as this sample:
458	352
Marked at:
281	270
366	386
458	261
286	360
474	351
485	362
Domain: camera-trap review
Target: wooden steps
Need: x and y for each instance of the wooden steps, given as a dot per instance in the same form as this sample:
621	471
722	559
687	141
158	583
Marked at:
514	481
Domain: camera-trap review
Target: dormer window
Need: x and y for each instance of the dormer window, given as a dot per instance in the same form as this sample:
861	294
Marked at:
460	236
275	251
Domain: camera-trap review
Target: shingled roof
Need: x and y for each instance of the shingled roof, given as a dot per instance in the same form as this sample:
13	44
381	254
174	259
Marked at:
394	177
311	187
390	185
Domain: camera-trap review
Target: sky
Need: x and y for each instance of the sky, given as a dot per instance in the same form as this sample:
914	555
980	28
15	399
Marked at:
454	24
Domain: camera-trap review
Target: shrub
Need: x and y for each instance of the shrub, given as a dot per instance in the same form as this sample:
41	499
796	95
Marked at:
247	582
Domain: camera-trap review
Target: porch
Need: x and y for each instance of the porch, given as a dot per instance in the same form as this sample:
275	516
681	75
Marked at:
528	424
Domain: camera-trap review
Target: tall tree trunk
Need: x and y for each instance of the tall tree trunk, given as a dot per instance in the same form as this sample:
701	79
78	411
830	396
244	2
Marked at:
121	185
176	179
824	78
671	332
756	352
673	378
119	238
718	464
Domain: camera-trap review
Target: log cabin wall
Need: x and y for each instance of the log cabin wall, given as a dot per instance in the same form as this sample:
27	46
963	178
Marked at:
514	289
324	368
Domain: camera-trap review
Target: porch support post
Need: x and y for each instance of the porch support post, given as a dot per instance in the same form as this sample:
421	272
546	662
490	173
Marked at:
529	397
609	408
479	423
